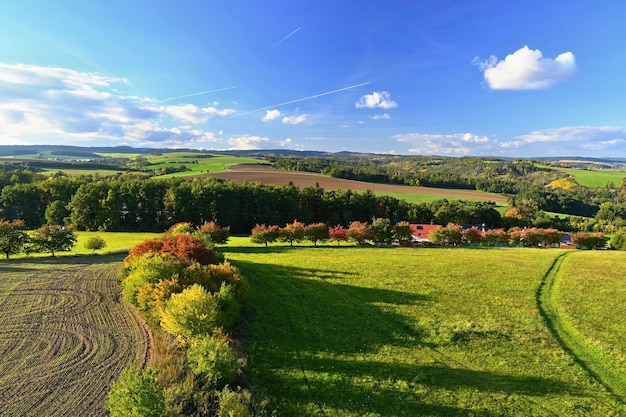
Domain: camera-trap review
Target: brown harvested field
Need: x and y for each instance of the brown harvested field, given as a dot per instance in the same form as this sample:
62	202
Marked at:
64	335
269	175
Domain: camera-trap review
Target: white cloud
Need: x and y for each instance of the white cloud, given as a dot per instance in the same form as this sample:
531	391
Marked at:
607	139
383	116
271	115
599	141
376	100
457	144
246	142
194	114
295	120
63	106
527	69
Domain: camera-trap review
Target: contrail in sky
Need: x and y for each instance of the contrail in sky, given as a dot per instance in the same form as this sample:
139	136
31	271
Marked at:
283	39
304	98
203	92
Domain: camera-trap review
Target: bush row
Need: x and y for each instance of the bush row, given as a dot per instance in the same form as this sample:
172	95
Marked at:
383	232
191	297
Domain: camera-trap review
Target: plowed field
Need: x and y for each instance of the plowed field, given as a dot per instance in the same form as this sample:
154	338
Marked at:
64	335
267	175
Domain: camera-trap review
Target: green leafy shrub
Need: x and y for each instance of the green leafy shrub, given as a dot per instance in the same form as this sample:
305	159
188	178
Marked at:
234	404
136	394
95	243
192	313
212	359
147	269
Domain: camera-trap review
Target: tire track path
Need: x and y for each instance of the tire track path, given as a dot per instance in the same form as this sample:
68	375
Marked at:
589	358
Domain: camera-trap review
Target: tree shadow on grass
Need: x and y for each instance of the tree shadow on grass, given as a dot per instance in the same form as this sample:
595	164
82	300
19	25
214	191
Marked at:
302	326
304	308
402	390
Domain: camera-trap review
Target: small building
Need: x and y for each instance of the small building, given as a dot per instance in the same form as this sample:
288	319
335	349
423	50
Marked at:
419	232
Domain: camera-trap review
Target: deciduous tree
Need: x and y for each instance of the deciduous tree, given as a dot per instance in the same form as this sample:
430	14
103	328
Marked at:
382	231
338	234
13	237
53	238
316	232
265	234
292	232
359	232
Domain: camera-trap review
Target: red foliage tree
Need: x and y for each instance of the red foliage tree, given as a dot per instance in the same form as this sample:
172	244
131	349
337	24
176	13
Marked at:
184	246
359	232
338	234
145	246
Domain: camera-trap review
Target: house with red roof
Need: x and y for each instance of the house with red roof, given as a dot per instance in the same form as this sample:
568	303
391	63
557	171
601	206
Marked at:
419	232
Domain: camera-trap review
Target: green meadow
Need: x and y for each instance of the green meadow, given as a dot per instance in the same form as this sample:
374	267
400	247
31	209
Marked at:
366	331
590	178
197	162
116	242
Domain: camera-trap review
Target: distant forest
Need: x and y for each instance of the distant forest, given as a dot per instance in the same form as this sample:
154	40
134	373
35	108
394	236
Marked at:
135	201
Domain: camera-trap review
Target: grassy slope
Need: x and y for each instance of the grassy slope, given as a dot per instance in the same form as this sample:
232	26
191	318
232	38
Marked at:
406	331
590	178
64	335
590	299
216	163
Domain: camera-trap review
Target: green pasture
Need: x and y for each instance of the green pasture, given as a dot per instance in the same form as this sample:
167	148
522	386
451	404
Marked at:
429	198
589	178
102	173
365	331
591	294
198	162
116	242
215	164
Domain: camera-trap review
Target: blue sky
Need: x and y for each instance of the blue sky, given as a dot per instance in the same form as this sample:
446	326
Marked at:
493	78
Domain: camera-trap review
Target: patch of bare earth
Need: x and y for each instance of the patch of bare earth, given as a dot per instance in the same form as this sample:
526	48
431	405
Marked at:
268	175
65	336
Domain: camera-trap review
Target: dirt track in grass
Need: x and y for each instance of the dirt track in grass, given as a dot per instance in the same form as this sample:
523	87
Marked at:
268	175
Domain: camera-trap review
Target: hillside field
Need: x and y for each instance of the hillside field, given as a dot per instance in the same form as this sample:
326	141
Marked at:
64	335
595	178
268	175
364	331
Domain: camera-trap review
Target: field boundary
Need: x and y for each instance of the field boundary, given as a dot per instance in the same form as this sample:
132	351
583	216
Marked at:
572	342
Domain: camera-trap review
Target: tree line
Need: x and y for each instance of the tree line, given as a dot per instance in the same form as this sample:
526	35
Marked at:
135	202
550	189
138	202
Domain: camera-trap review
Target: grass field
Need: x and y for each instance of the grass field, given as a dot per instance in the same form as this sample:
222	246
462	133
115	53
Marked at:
116	242
102	173
589	178
351	331
590	297
196	162
64	335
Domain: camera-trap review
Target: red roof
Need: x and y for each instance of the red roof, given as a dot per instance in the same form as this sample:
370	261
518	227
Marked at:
421	231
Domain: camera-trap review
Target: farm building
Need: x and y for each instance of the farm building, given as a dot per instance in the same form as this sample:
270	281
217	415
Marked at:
419	232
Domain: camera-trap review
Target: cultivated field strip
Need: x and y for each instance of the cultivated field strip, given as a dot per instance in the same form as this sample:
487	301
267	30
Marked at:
64	336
